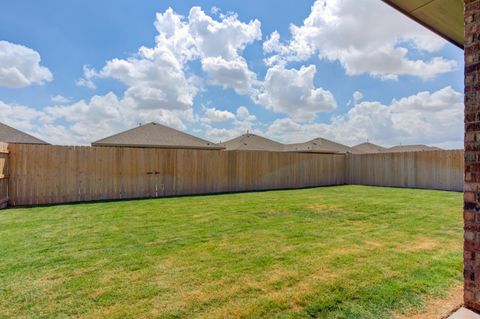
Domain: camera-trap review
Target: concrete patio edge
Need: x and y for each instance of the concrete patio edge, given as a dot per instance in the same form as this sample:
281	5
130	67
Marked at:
464	313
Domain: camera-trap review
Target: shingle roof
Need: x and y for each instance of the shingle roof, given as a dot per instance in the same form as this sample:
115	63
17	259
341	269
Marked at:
412	148
9	134
369	148
156	135
319	145
252	142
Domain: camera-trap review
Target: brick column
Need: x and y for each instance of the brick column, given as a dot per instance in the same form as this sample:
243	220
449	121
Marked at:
471	213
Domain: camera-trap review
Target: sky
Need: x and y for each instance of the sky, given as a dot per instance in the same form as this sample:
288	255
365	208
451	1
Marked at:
73	72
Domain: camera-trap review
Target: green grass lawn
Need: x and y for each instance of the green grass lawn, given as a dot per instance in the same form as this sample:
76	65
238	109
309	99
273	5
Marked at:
333	252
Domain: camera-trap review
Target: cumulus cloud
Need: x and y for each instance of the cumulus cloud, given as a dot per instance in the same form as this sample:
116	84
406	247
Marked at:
20	66
293	92
155	80
357	96
231	73
426	117
220	45
156	77
60	99
243	114
332	31
214	115
87	120
159	77
225	38
89	74
20	116
239	123
160	85
215	10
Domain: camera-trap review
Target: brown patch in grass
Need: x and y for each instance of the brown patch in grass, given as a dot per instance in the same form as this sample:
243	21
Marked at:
425	244
290	295
240	297
374	244
438	307
322	208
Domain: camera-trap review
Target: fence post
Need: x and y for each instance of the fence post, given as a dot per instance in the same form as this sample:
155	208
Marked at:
3	175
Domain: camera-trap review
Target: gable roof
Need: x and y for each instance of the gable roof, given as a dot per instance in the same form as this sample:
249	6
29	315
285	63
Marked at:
412	148
444	17
319	145
369	148
156	135
9	134
252	142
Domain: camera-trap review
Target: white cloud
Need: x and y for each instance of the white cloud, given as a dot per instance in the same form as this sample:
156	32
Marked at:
160	86
215	10
214	115
220	135
85	121
293	92
333	30
87	79
357	96
155	80
20	116
226	38
60	99
220	45
230	73
158	77
428	118
243	114
20	66
239	123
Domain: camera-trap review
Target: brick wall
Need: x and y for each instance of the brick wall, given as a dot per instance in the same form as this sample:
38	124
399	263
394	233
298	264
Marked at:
471	212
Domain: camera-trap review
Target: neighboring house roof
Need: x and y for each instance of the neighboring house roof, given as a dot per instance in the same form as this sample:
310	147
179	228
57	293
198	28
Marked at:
319	145
369	148
9	134
444	17
156	135
412	148
252	142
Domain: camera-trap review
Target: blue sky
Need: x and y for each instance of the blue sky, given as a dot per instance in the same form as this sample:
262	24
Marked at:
220	70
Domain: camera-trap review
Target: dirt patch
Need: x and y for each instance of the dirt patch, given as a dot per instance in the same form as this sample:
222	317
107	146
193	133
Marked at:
438	308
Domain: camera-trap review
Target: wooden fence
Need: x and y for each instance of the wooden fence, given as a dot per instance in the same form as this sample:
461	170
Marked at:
3	175
44	174
429	169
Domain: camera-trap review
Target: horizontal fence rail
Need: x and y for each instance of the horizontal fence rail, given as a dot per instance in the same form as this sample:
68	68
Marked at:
46	174
442	170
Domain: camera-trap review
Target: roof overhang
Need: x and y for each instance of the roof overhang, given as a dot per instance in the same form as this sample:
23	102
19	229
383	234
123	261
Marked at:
444	17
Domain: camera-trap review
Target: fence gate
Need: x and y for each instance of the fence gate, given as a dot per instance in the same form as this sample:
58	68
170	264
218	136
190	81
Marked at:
153	187
3	175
